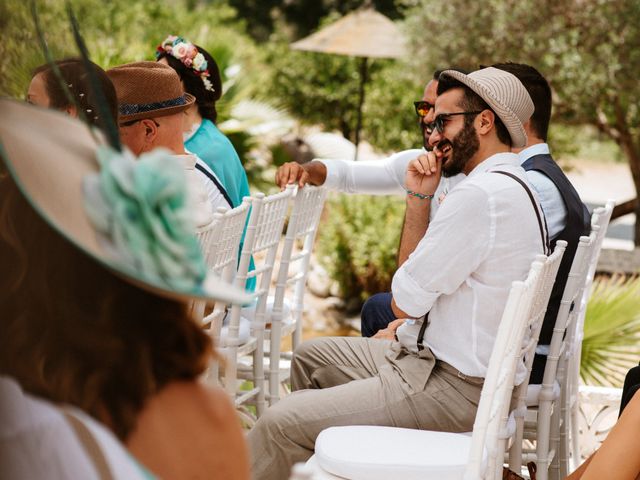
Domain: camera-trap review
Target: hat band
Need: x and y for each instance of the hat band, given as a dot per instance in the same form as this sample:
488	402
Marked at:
133	108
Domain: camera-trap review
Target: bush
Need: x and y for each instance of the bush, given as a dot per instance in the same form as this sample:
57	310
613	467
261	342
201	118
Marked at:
358	243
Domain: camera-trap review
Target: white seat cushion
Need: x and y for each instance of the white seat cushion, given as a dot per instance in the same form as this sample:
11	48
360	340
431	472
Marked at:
382	453
250	311
244	330
533	394
318	472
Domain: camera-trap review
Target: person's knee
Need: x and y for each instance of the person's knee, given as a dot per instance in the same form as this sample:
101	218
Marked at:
376	314
275	420
301	363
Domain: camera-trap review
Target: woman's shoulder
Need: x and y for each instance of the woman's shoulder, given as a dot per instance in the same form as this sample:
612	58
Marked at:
210	401
179	428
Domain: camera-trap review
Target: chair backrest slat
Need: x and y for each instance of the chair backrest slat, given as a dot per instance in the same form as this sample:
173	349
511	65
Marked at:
514	345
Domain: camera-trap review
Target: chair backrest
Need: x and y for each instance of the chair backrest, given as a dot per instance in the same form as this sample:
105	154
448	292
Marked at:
301	231
264	230
225	244
515	342
223	237
550	268
599	224
564	327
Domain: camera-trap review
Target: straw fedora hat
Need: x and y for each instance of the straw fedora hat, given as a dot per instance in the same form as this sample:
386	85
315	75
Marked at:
50	156
148	90
504	94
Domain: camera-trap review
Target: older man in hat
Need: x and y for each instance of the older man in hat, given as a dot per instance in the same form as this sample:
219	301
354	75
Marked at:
485	236
151	105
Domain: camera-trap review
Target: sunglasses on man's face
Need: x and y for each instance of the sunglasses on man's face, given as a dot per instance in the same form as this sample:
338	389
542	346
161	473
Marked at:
422	108
440	121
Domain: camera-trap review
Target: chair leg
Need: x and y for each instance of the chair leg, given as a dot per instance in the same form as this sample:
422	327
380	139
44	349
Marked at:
575	433
273	374
564	447
231	373
543	433
554	443
258	374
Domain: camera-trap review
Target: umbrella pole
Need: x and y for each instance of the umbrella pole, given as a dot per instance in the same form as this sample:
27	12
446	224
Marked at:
363	80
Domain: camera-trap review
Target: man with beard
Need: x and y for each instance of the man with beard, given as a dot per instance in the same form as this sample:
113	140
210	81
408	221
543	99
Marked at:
484	237
377	177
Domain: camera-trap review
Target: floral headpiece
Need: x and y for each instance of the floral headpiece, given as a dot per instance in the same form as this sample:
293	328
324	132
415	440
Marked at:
189	55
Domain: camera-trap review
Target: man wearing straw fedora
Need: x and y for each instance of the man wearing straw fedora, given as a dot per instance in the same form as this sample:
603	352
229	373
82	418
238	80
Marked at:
151	105
484	237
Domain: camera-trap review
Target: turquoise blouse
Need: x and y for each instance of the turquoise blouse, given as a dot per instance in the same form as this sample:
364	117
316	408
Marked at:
218	153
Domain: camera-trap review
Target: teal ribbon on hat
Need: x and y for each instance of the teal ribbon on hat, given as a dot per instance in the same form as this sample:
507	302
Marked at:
140	207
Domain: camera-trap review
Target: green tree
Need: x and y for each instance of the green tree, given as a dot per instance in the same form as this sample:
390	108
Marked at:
300	17
116	32
587	49
322	89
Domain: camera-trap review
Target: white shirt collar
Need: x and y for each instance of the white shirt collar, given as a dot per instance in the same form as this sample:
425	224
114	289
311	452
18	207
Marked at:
188	161
533	150
505	158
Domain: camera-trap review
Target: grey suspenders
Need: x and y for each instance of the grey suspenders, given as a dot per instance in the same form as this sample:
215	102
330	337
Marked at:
544	235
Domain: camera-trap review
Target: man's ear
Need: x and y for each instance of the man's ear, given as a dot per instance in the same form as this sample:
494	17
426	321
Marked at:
71	111
150	129
485	122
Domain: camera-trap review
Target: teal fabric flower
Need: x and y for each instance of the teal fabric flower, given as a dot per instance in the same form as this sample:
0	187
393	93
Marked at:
140	207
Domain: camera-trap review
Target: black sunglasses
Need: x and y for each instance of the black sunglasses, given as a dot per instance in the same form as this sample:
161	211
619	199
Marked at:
422	108
440	120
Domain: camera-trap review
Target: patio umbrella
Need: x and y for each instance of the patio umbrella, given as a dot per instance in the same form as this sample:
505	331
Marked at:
363	33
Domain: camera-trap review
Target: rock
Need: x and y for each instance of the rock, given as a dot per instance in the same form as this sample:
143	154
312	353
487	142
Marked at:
318	282
334	289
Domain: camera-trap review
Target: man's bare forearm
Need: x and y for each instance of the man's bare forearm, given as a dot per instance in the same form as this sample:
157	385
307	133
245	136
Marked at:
317	172
416	222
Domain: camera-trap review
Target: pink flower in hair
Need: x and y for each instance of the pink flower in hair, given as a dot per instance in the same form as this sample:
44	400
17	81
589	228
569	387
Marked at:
192	51
180	50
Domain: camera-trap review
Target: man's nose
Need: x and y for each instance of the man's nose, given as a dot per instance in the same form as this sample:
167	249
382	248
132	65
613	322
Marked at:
435	137
430	116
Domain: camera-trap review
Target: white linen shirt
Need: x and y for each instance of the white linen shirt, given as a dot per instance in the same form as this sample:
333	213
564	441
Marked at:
555	211
484	237
385	176
197	195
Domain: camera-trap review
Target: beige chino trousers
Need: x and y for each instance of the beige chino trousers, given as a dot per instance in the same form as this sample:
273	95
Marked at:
358	381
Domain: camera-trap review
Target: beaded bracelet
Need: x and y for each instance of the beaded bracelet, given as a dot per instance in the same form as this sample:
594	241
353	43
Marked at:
421	196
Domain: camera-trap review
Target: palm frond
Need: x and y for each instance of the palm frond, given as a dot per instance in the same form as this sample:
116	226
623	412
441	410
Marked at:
611	344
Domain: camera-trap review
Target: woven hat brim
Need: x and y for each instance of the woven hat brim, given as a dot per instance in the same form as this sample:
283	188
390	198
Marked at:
48	154
160	112
509	118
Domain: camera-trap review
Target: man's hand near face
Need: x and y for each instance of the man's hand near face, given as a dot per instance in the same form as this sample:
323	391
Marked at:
423	174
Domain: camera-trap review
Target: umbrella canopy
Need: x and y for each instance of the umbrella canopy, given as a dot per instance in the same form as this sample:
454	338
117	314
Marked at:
364	33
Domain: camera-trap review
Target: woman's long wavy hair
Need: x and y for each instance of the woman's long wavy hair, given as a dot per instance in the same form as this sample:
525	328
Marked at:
73	332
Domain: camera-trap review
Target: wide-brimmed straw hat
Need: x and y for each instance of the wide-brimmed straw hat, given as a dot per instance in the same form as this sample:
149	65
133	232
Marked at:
148	90
504	94
66	174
